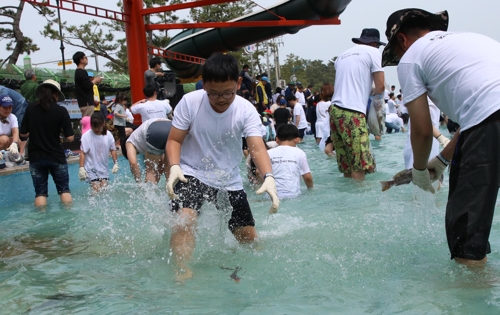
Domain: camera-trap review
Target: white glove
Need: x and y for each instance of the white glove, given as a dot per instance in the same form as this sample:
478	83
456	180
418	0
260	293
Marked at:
1	155
176	175
437	166
422	179
269	186
82	174
443	140
13	148
115	168
130	120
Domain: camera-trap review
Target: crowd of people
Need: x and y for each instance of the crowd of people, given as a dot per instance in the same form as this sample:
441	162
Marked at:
199	145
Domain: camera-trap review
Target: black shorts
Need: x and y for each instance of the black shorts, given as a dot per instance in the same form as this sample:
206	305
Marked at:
193	193
328	140
474	183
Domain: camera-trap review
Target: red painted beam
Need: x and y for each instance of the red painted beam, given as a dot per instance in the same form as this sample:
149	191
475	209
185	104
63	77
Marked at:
334	21
81	8
186	5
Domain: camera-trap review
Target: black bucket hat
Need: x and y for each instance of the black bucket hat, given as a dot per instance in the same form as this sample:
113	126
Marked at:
368	35
438	22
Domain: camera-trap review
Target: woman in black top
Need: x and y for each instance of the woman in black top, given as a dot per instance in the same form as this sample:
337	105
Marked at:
43	122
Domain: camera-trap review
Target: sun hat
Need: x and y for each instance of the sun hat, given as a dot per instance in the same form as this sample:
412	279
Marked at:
267	112
265	79
53	84
438	22
5	101
368	35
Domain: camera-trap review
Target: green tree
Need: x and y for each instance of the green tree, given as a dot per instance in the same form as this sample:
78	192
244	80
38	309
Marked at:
294	65
107	39
17	43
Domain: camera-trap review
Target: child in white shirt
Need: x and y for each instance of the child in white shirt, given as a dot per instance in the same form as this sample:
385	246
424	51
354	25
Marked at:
94	147
289	163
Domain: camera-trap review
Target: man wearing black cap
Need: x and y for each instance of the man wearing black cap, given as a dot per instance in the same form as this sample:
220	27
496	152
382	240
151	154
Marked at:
459	73
356	69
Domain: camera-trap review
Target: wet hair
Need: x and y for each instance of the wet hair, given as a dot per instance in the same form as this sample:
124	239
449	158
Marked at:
77	57
154	61
121	97
96	121
291	98
287	132
149	90
46	96
220	68
326	92
29	74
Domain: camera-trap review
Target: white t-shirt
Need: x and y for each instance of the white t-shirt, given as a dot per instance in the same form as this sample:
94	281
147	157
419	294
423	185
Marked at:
299	111
211	151
354	77
129	114
289	164
459	72
394	119
300	98
392	107
6	129
407	152
139	136
152	109
321	111
96	149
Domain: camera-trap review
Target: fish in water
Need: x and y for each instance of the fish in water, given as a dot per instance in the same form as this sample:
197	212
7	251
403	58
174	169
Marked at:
404	177
234	275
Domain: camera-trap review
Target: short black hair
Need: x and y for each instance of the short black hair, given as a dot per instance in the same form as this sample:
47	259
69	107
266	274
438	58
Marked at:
154	61
245	66
149	90
291	98
391	94
393	86
287	132
78	56
220	68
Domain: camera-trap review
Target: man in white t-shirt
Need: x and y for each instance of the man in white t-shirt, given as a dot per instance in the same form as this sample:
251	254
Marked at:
8	126
356	69
394	122
205	144
151	107
299	94
289	163
298	116
459	73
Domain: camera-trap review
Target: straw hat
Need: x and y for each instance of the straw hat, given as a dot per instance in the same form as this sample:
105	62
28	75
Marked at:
53	84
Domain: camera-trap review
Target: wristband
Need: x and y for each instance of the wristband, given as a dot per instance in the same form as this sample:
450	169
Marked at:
268	175
443	160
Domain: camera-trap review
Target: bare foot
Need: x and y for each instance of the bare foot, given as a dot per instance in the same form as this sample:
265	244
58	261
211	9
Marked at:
472	263
182	275
378	138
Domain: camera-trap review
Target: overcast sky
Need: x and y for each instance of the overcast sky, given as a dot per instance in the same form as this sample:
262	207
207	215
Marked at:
314	42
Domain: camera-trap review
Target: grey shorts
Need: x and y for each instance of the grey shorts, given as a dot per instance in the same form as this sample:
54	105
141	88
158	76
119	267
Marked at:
474	183
157	136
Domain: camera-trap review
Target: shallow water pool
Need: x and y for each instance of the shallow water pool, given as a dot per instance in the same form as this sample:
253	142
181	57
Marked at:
341	248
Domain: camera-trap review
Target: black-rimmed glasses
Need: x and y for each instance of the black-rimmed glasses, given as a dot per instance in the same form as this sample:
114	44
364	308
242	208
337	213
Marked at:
215	97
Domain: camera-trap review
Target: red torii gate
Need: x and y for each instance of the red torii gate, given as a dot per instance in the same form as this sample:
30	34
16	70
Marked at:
135	29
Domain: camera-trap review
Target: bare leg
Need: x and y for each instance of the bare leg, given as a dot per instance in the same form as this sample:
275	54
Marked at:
41	201
358	176
471	263
245	234
5	141
182	241
153	165
318	140
66	199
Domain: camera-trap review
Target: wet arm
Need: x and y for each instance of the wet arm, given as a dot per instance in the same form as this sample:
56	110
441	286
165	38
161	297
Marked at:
378	79
259	154
421	131
173	146
308	180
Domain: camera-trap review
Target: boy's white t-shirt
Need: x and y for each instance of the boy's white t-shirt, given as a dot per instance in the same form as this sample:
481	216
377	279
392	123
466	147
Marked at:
394	119
211	151
6	129
96	149
301	99
459	72
139	136
129	114
152	109
408	152
289	164
392	107
299	111
354	76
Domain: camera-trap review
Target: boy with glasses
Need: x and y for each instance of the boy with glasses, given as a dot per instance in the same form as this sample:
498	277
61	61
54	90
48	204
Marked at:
204	149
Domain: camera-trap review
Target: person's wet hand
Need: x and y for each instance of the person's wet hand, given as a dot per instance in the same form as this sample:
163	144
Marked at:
115	168
13	148
176	175
421	179
269	186
82	174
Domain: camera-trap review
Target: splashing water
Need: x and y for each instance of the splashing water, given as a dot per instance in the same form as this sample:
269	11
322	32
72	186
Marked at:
342	247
